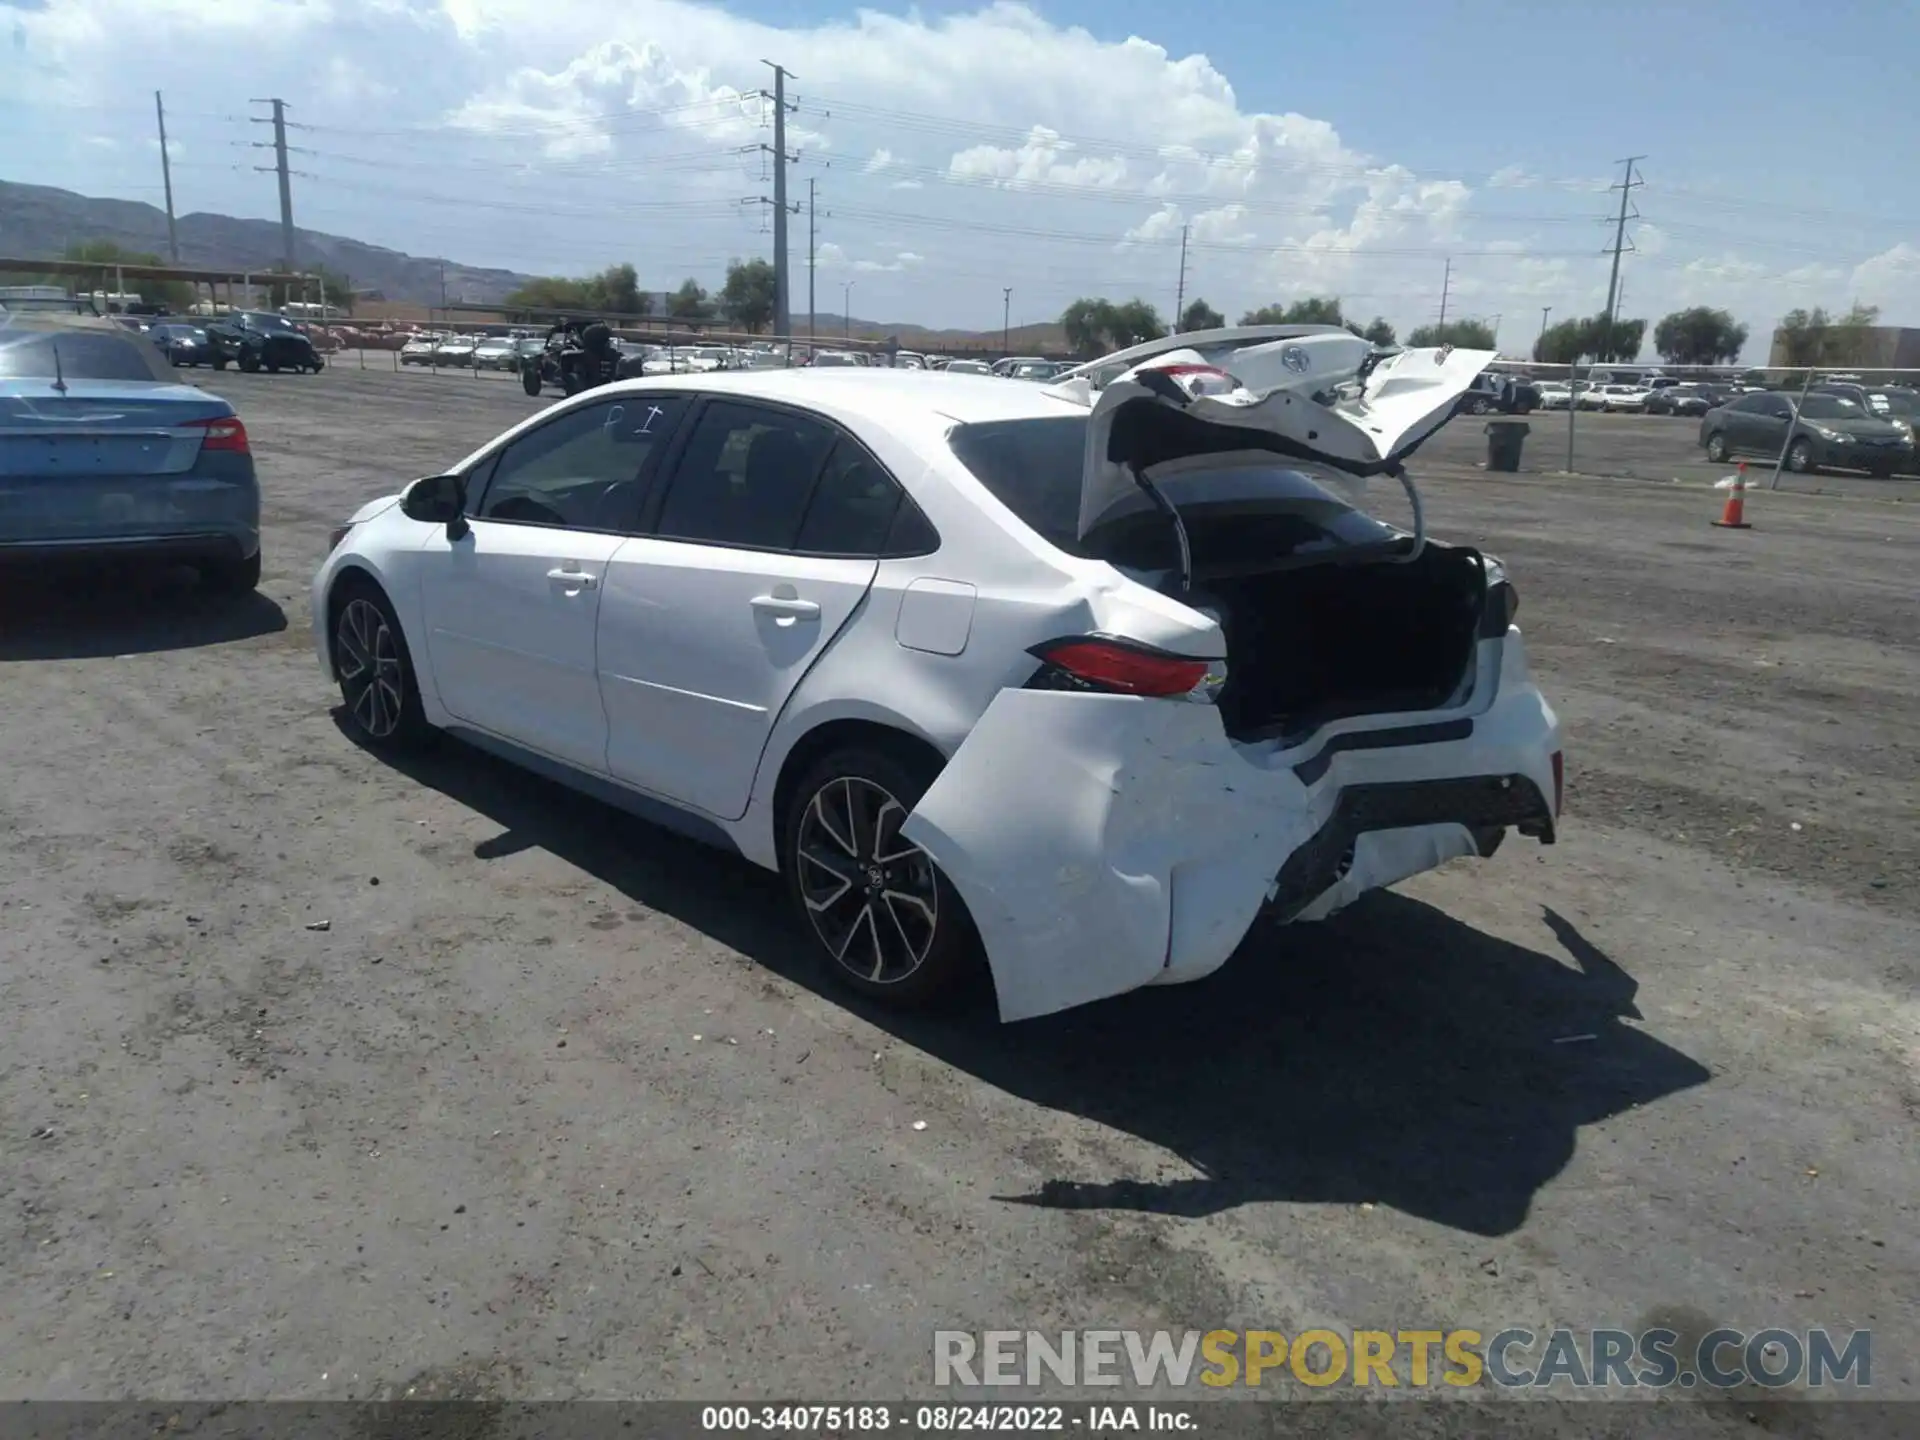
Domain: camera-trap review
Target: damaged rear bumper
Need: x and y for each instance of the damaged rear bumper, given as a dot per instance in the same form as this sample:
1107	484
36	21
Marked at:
1105	842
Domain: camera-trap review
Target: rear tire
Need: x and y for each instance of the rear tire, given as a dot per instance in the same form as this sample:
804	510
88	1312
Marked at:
220	363
232	577
530	381
884	921
375	669
1717	451
250	363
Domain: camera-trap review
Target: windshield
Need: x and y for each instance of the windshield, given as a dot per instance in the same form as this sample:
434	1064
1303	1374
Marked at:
1034	466
83	355
261	321
1830	407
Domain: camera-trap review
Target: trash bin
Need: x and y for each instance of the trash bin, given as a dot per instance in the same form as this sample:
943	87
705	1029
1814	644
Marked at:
1504	441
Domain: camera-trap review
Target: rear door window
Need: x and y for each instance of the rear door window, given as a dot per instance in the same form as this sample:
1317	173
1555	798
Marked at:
745	477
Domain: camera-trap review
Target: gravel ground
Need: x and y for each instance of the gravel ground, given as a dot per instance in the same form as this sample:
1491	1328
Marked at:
331	1079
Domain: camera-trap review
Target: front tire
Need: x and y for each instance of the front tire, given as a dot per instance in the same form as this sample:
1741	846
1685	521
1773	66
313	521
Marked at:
249	363
1800	457
1478	406
375	670
884	920
1717	451
530	381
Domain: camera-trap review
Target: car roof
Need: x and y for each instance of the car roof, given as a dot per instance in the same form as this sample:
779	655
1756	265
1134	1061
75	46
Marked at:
879	394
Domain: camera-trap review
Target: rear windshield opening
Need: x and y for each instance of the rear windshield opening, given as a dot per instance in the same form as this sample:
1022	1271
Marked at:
1236	514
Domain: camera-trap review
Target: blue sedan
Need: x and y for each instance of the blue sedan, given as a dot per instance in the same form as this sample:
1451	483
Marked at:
104	454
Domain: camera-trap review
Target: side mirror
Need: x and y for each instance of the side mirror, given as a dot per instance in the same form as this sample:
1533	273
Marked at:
437	499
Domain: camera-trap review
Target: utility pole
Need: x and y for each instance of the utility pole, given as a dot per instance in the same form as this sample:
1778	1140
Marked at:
166	179
1545	310
846	309
1446	284
443	285
1180	294
1626	188
782	311
1006	318
279	123
810	239
1496	332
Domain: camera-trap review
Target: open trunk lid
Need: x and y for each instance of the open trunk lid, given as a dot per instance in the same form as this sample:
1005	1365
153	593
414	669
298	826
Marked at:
1317	394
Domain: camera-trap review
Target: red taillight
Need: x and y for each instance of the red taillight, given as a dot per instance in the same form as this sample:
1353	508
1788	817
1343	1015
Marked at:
1123	667
1558	783
225	432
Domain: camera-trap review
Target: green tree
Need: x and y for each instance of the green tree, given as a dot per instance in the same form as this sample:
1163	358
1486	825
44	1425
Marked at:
550	292
1466	334
1201	316
616	290
1699	336
1314	310
1133	322
1849	339
1561	344
1379	332
747	299
1087	323
1572	341
689	302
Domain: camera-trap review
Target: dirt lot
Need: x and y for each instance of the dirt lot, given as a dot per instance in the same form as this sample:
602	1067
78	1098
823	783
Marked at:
552	1106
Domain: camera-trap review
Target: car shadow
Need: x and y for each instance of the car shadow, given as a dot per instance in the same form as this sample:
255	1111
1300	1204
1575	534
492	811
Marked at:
50	617
1393	1055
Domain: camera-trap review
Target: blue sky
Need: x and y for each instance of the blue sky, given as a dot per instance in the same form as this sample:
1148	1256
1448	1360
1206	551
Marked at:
1057	147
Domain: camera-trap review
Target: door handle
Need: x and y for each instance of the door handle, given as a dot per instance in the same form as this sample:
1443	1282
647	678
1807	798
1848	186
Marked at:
576	579
786	606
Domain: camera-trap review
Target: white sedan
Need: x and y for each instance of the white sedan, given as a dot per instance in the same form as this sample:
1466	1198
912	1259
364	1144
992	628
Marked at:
1081	680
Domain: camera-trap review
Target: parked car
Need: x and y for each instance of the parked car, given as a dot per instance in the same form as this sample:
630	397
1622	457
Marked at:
834	359
1684	399
1624	398
1004	366
108	456
260	340
1883	402
966	367
1588	396
1554	394
184	344
925	647
456	351
419	350
1040	370
1508	394
496	352
1817	432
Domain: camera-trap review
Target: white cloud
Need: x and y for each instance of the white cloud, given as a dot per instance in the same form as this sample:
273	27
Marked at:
1044	158
1891	280
880	160
1649	239
1513	177
908	185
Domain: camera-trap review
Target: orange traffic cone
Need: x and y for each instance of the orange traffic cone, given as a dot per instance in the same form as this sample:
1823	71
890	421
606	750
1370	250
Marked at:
1733	515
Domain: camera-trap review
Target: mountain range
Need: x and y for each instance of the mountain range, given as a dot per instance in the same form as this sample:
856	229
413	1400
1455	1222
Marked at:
38	222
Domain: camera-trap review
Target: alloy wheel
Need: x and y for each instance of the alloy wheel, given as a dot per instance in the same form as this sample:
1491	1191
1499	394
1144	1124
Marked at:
371	672
873	896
